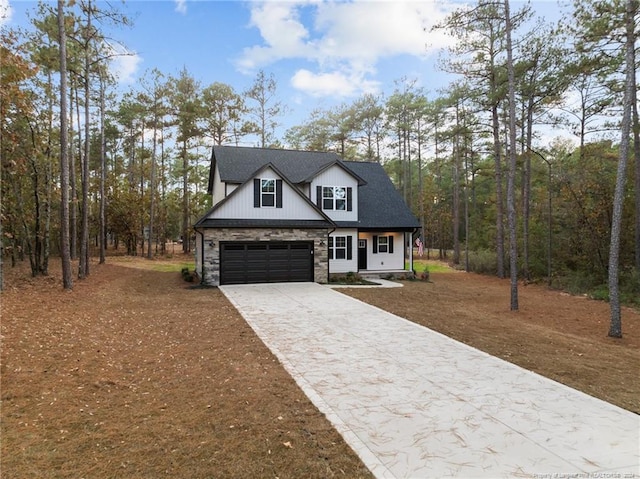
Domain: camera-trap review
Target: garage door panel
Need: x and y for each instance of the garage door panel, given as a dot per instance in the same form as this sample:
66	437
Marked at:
266	262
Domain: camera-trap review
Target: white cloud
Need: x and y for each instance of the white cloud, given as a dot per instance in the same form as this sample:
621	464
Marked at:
333	84
5	12
367	31
344	40
283	33
181	6
123	64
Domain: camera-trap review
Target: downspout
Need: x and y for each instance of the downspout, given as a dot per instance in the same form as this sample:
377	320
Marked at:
328	260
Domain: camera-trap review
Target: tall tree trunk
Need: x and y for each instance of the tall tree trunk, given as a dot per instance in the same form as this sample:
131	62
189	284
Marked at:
456	189
526	191
511	180
152	187
499	205
36	254
67	280
163	193
467	219
421	187
83	268
636	154
72	175
142	225
186	247
48	182
103	174
615	327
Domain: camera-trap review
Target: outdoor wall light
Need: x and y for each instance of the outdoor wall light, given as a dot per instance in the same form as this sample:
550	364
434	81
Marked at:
321	242
212	244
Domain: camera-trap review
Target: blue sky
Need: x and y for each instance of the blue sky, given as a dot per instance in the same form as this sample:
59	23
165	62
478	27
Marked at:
321	53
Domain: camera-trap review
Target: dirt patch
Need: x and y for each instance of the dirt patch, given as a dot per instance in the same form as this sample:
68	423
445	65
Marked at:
135	374
559	336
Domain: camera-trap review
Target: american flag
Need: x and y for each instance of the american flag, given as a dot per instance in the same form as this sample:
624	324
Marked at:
420	247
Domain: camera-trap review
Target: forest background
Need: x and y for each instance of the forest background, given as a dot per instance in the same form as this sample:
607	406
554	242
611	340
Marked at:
493	194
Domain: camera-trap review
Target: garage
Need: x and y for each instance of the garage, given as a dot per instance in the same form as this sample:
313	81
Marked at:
266	262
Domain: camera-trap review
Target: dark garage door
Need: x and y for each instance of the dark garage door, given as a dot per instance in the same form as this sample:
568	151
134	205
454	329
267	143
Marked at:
266	262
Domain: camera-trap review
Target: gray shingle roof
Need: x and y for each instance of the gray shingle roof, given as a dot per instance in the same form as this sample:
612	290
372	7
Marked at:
237	164
380	206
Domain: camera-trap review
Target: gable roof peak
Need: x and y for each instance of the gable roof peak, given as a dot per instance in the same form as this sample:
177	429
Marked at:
237	164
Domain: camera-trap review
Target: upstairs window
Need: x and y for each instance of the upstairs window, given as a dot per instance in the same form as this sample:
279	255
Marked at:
337	198
267	193
334	198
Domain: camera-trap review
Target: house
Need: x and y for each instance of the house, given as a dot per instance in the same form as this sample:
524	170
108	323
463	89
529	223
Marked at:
285	215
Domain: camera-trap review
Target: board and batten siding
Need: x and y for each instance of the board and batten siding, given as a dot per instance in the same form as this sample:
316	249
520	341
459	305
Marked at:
294	207
346	265
219	190
336	176
385	261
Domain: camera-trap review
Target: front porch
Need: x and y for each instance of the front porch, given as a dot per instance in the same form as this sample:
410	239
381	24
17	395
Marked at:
371	253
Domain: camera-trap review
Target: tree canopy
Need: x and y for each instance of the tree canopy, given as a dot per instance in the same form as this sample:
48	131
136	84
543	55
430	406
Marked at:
538	133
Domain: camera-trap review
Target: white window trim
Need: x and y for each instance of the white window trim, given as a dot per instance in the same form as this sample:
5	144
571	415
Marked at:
383	246
271	193
335	248
333	198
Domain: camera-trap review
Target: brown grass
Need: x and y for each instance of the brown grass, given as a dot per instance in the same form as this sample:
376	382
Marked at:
133	374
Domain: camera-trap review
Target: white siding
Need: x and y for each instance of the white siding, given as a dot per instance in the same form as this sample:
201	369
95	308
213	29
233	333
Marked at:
345	265
336	176
385	261
218	193
240	206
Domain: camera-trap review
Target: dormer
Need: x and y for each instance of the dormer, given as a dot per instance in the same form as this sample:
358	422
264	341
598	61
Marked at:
334	190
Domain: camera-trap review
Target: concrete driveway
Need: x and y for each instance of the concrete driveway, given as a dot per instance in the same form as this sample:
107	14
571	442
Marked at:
413	403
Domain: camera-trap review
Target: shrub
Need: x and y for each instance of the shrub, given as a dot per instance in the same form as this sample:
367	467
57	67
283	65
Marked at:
483	261
186	275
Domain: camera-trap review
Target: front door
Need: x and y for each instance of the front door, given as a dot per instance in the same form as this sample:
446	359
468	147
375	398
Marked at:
362	254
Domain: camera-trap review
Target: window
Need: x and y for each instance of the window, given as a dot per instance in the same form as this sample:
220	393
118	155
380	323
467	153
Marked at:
334	198
340	247
383	244
267	192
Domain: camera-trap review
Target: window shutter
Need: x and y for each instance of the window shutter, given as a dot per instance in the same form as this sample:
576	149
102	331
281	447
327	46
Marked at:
330	247
349	199
278	193
375	244
256	192
349	247
390	244
319	196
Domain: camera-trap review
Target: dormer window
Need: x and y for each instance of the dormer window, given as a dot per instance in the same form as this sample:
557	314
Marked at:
267	193
337	198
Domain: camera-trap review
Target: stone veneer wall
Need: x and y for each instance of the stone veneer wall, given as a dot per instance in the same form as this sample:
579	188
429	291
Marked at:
211	260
